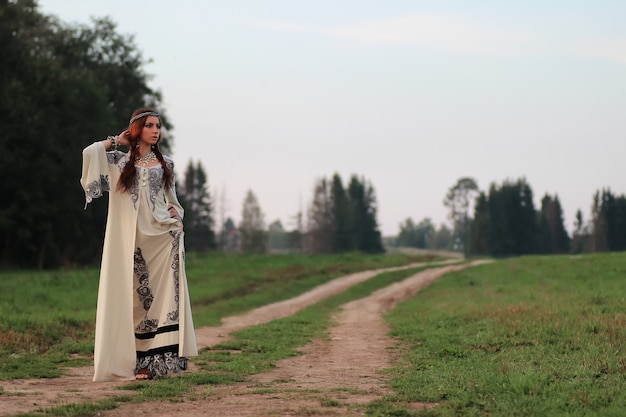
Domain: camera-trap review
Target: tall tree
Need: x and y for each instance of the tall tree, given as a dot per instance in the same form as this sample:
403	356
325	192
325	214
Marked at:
609	221
366	235
60	88
196	201
253	236
480	227
599	239
320	219
554	237
341	217
458	201
581	238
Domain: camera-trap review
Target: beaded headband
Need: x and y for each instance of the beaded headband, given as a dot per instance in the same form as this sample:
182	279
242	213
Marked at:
144	114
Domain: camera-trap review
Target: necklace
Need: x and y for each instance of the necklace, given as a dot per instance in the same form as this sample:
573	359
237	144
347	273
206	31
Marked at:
145	159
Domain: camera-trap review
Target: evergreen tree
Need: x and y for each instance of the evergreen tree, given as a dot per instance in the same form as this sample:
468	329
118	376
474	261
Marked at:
618	226
320	220
513	225
616	220
480	227
554	237
195	197
341	217
341	220
366	236
609	222
599	235
253	236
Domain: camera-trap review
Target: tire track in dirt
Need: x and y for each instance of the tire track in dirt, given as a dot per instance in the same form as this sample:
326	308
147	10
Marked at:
209	336
27	395
335	377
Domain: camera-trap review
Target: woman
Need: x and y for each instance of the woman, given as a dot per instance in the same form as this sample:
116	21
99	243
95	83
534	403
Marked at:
144	326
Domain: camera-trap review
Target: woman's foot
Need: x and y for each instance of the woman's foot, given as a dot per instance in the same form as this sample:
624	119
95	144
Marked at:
143	375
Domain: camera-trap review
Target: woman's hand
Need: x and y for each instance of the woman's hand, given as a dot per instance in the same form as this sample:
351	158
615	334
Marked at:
173	212
174	215
123	139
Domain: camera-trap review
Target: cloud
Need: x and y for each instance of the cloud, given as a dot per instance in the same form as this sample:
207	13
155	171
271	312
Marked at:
449	33
433	31
610	50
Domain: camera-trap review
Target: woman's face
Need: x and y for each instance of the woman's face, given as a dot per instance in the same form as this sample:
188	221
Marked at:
151	132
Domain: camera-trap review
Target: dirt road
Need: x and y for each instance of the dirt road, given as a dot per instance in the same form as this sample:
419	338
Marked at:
333	377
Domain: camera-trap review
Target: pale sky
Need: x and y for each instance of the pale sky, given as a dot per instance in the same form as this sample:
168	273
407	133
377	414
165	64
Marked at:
411	95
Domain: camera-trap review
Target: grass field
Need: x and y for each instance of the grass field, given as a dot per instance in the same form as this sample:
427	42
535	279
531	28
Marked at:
529	336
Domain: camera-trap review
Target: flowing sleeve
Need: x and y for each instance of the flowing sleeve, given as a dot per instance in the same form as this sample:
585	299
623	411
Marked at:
95	178
170	194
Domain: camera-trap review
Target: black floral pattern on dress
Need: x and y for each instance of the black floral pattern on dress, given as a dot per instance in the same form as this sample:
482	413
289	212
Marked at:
117	158
169	163
161	363
155	183
96	188
173	316
176	261
144	292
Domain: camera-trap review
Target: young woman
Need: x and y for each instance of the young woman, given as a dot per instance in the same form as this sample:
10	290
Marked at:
144	326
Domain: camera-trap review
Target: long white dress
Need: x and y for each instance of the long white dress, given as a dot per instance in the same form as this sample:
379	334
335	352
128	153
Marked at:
144	317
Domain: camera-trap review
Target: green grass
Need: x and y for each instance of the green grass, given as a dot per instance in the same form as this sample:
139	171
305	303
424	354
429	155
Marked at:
530	336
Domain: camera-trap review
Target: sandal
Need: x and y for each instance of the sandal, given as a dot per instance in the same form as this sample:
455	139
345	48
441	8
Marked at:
143	375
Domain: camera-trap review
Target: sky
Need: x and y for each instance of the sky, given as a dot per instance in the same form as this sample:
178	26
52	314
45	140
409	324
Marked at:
411	95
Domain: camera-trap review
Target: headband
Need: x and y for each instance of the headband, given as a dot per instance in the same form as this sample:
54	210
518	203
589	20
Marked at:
144	114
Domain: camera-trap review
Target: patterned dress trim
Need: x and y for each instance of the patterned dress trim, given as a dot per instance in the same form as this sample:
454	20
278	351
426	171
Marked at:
159	362
145	293
95	189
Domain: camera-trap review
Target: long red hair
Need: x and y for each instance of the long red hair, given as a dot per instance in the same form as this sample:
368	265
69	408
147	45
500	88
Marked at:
127	178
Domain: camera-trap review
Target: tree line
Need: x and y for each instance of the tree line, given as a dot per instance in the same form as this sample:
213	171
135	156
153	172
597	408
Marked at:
340	219
63	86
505	222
